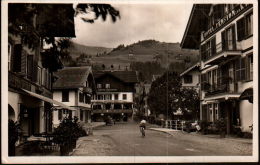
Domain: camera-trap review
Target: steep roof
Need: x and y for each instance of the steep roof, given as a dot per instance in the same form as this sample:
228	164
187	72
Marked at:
193	67
71	77
196	24
125	76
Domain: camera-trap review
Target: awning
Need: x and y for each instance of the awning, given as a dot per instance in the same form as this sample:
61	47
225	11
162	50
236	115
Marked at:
247	95
49	100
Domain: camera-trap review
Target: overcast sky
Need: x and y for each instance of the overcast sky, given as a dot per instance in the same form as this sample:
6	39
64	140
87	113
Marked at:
162	22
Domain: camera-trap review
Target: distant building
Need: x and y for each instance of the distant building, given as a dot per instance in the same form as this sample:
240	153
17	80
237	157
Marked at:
115	95
74	87
190	77
224	34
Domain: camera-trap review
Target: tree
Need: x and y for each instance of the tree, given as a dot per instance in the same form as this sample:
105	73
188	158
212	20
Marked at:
53	24
165	94
190	103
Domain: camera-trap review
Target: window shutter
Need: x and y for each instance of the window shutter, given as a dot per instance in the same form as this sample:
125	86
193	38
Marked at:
243	68
29	67
16	58
213	46
241	29
23	62
223	39
35	71
234	37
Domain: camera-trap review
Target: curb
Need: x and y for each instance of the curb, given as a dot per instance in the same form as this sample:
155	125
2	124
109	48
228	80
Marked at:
167	132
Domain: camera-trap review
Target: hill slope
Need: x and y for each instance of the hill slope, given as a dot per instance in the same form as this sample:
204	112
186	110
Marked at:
147	50
77	49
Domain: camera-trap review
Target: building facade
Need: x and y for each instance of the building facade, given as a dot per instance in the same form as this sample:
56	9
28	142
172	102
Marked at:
115	95
225	40
29	75
74	87
190	77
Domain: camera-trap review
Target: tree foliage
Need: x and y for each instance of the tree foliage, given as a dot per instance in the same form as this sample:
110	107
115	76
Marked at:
21	21
147	69
167	95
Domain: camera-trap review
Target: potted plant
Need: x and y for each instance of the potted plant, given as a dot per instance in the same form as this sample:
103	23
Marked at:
13	136
221	126
67	133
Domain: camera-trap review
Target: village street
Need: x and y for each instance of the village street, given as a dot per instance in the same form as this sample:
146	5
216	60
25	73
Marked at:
124	139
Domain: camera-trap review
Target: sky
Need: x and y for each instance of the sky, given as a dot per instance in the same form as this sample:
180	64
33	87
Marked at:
162	22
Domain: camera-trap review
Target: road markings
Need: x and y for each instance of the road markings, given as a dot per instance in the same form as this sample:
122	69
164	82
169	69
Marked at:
189	149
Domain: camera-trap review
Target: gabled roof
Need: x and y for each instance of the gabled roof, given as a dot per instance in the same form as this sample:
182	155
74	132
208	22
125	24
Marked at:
125	76
195	66
71	77
196	24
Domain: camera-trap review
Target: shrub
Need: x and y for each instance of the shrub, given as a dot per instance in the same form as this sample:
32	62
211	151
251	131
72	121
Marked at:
204	126
221	126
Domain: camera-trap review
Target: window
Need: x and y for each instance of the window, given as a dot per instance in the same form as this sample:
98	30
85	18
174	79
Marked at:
65	96
228	38
187	79
216	111
87	99
108	97
245	27
240	69
116	96
99	86
249	67
124	96
100	97
17	57
81	97
209	48
249	25
107	86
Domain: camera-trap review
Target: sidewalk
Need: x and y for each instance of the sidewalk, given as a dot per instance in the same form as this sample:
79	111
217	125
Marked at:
228	137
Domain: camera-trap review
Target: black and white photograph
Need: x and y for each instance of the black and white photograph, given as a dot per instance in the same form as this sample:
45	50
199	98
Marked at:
153	81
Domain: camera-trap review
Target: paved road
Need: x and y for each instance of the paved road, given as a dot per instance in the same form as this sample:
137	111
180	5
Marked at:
126	140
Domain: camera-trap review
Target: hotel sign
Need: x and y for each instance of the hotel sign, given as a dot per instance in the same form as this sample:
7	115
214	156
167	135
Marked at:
225	19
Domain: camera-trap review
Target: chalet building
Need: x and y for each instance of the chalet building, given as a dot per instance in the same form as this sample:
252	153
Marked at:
224	35
30	69
74	87
190	77
115	95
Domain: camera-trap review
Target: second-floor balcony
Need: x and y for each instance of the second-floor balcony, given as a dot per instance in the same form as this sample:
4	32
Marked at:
223	85
220	52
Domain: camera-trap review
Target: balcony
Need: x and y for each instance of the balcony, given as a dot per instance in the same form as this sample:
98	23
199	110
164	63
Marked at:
222	86
221	52
112	111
